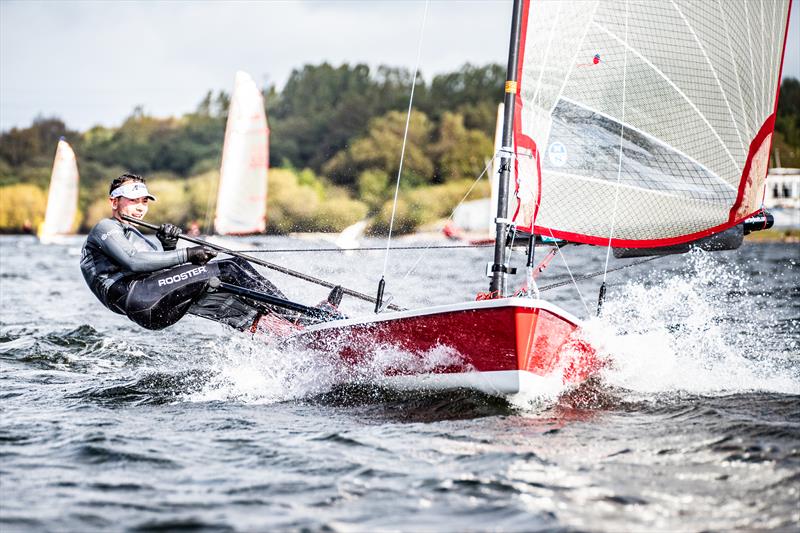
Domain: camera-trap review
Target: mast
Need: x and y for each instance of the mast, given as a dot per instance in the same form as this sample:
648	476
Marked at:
499	268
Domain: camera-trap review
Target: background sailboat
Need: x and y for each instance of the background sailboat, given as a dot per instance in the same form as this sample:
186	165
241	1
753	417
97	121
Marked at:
62	197
242	195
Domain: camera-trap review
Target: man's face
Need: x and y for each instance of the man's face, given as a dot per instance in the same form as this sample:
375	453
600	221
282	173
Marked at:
132	208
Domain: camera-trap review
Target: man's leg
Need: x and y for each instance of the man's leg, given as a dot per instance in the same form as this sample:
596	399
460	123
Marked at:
164	297
240	312
239	272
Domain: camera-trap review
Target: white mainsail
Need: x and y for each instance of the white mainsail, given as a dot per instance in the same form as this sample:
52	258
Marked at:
643	123
242	197
62	198
495	177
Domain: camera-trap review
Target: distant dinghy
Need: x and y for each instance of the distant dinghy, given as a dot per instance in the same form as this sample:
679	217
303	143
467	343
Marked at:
242	196
62	198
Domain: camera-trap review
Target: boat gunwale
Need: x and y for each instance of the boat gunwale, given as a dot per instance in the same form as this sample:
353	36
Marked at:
516	302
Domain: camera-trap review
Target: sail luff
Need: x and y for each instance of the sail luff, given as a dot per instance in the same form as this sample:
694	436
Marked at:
62	197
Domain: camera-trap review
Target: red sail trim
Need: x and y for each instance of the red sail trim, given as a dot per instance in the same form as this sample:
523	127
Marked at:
768	125
766	129
629	243
743	181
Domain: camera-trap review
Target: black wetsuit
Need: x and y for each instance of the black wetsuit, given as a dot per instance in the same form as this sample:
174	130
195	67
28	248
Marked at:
132	275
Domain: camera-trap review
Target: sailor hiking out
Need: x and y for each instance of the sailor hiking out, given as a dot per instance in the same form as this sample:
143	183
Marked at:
154	283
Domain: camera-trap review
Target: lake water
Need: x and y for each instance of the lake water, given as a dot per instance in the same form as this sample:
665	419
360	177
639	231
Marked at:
692	425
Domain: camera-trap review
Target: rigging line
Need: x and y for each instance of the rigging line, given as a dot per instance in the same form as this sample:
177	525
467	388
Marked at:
210	198
405	137
574	61
363	249
452	213
569	271
621	139
752	64
714	72
773	64
674	86
761	59
544	65
735	65
598	273
773	35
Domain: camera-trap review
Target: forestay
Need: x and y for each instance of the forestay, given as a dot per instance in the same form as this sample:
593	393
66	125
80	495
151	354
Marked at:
645	123
62	198
242	197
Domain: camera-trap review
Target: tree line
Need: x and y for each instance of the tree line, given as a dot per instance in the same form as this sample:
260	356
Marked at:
335	135
336	131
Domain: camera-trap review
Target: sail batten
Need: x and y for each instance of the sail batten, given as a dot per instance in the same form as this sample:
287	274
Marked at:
675	101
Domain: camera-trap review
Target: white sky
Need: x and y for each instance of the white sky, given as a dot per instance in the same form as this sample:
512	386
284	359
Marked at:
92	62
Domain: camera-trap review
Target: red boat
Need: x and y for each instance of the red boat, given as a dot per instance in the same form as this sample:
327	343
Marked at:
501	346
594	161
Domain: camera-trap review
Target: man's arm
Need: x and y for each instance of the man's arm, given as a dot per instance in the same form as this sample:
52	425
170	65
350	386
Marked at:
113	243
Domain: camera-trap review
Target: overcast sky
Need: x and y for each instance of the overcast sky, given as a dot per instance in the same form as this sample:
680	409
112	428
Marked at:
92	62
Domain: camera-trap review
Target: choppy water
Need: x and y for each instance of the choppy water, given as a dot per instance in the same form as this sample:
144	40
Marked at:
694	424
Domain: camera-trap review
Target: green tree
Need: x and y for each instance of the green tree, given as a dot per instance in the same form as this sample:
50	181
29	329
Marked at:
460	153
381	147
786	144
22	207
322	108
373	188
473	91
36	145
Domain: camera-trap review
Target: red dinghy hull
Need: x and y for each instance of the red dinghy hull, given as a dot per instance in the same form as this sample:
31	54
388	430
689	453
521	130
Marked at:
502	346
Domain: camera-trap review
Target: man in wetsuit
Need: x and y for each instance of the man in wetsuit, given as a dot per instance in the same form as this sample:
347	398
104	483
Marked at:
153	283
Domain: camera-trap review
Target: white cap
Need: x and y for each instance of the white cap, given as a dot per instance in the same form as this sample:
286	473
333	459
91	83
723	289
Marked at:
132	191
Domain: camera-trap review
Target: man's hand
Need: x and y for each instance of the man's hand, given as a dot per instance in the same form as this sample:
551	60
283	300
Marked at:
168	235
200	255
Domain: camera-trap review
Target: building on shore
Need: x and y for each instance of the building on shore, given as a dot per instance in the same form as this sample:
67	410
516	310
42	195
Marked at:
782	197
